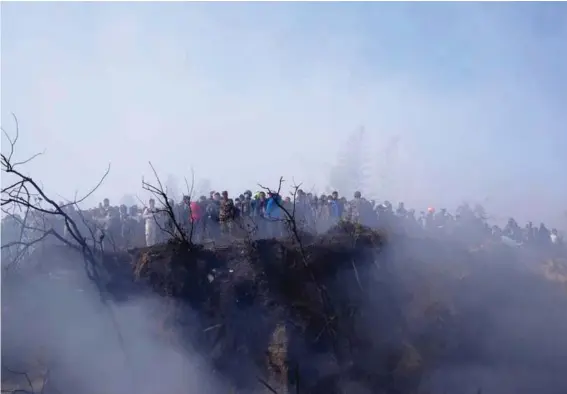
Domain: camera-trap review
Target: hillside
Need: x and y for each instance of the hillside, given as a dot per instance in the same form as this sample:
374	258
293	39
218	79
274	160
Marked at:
355	311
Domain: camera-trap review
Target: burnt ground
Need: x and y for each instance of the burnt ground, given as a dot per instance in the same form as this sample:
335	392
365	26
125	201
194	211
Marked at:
354	311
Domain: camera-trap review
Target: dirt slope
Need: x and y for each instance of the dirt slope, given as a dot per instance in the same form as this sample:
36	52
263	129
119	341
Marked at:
354	311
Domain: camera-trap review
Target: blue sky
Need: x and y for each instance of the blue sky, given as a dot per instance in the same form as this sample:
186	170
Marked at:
475	92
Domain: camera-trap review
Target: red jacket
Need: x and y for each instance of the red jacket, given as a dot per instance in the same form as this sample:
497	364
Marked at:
196	211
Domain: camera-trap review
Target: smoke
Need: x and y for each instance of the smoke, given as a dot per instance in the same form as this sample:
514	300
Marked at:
128	200
56	320
510	320
172	187
459	102
505	335
518	344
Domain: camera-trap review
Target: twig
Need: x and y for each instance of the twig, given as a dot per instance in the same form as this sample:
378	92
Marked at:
323	294
356	275
213	327
24	374
162	197
266	385
21	194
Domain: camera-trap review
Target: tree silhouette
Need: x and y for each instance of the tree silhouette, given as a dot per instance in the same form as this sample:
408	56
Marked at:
386	167
352	171
203	187
128	200
172	187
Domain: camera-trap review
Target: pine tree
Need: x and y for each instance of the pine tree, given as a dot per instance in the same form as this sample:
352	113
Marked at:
386	166
352	171
172	188
202	188
128	200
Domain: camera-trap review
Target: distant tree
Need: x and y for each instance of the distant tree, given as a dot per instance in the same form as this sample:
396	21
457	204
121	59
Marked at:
386	164
128	200
203	187
172	187
352	171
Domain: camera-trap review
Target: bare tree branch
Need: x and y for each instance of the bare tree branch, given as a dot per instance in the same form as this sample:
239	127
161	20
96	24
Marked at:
159	192
25	375
80	200
190	195
266	385
27	193
290	218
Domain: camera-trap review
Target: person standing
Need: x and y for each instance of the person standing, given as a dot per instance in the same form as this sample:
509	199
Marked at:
151	223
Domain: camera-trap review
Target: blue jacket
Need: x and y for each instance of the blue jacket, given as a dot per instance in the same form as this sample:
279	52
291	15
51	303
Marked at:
273	211
257	207
334	209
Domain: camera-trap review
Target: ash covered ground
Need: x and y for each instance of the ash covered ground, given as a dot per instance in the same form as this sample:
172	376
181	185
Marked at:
350	311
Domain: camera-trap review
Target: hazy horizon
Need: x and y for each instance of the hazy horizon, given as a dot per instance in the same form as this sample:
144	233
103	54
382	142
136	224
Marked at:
473	93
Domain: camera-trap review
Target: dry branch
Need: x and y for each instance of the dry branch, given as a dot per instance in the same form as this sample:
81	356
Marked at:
158	191
292	225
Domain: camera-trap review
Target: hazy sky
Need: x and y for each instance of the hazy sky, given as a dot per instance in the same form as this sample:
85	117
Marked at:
475	92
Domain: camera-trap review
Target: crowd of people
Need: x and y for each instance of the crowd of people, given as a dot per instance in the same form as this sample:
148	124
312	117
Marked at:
266	214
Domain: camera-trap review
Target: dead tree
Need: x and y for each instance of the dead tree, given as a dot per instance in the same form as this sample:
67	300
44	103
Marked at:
30	235
178	232
289	219
23	193
297	236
